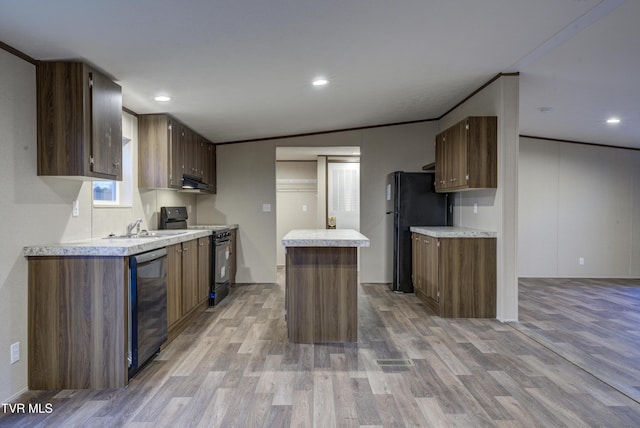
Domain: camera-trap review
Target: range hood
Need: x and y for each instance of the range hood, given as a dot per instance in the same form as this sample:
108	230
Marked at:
191	183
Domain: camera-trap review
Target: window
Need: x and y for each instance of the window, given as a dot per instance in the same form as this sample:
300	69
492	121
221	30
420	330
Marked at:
106	193
343	194
116	193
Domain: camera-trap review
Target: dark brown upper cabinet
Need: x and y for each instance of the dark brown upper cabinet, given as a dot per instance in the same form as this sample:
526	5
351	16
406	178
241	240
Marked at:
167	150
208	151
79	122
466	155
192	154
160	156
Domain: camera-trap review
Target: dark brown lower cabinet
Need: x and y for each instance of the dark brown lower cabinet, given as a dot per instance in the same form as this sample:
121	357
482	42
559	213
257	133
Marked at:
186	271
190	274
78	307
416	262
322	294
456	277
77	322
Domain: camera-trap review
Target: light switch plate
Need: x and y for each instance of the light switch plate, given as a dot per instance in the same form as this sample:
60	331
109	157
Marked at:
15	352
266	208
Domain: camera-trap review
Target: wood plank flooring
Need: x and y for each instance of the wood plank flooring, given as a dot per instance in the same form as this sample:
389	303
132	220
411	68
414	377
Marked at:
234	367
594	323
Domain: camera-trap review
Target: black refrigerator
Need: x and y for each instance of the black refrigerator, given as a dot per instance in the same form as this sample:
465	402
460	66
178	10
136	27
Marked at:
411	201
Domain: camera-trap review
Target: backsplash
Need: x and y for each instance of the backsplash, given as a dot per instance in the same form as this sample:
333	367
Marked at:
146	205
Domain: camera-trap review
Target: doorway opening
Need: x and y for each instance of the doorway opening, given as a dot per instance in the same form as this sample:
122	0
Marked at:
314	184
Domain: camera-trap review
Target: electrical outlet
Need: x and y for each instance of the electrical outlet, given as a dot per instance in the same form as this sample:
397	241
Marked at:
581	261
75	208
266	208
15	352
475	208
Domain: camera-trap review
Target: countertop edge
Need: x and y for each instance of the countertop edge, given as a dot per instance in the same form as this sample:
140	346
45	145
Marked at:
325	238
452	232
104	247
213	226
325	243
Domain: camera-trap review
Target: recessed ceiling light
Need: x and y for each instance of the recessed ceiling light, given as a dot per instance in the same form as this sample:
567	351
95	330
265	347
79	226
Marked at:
613	120
320	82
162	98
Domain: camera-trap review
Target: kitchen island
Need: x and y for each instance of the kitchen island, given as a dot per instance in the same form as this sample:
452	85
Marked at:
321	302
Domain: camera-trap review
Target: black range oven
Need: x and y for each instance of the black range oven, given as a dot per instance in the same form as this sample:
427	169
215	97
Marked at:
220	250
173	218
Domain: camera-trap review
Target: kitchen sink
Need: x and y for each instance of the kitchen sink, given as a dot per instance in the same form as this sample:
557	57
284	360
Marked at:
161	233
132	236
148	234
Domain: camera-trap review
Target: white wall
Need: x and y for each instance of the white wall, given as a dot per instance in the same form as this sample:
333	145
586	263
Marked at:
578	201
246	180
18	162
292	199
384	150
497	209
38	210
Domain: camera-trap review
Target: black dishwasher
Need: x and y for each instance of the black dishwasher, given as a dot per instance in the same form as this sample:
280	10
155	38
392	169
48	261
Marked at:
147	306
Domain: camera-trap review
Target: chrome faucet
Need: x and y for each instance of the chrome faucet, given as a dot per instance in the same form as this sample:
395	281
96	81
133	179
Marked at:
134	225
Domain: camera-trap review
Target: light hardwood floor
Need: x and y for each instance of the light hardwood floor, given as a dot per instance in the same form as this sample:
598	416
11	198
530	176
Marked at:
594	323
234	367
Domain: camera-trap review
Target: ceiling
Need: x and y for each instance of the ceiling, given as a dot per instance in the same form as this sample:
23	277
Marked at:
241	70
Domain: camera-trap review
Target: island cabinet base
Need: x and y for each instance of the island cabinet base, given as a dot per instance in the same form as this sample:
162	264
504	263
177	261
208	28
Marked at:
77	322
322	294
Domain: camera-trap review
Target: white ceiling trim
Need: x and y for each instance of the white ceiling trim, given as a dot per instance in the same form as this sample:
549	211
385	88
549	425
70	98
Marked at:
592	16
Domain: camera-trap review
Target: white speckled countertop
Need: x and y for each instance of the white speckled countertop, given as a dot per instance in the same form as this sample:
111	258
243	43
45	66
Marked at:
111	246
325	238
452	232
213	226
